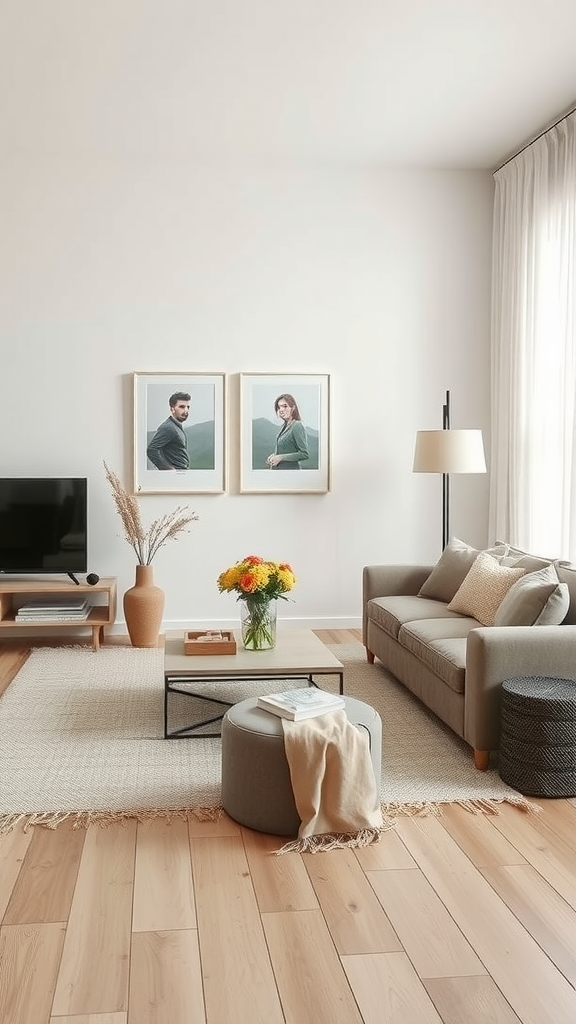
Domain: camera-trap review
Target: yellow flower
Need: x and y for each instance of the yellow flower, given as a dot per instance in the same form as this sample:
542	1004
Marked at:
255	577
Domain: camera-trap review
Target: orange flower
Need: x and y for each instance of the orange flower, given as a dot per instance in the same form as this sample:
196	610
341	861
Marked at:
253	560
248	582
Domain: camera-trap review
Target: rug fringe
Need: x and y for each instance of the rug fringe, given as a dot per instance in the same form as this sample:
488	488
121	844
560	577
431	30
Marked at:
334	841
484	805
83	819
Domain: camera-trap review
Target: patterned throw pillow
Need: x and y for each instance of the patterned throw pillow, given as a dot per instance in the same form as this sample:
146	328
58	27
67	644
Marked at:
450	570
484	588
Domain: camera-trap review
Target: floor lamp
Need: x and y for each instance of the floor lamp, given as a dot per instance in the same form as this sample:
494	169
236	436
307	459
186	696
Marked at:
448	451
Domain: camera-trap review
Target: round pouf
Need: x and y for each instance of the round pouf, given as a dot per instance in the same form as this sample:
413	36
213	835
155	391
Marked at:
256	786
538	737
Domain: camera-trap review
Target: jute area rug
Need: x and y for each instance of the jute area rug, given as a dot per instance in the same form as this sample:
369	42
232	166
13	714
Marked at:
82	735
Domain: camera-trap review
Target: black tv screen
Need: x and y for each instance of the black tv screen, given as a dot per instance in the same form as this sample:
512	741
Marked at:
43	524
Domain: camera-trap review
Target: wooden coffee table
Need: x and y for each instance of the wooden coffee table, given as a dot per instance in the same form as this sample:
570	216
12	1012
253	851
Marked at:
298	654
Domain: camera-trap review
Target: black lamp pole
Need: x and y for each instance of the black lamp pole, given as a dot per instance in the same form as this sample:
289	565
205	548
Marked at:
446	479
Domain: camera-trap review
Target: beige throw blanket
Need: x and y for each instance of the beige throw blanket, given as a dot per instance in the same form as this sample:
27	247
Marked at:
333	782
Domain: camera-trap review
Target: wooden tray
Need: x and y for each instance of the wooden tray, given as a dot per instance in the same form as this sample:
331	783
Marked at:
192	645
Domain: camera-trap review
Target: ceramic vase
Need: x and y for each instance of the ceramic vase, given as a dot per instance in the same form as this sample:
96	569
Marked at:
258	623
143	608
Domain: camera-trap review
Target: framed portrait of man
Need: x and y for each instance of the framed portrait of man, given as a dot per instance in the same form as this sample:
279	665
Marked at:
284	433
179	432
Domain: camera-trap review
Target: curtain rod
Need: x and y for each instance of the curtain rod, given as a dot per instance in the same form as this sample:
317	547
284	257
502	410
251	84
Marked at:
536	137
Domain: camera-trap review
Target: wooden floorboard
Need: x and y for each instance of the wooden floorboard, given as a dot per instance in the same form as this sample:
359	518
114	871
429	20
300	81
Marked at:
459	919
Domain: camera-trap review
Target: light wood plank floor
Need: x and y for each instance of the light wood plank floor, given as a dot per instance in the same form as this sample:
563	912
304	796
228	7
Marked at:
460	919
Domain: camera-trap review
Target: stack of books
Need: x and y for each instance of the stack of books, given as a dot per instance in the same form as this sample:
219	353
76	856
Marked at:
54	610
299	704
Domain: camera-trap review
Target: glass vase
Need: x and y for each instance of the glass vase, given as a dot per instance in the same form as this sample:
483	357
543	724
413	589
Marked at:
258	622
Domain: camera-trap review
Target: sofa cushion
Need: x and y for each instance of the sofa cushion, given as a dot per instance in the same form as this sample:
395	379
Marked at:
390	613
567	575
441	645
537	598
449	572
484	589
531	563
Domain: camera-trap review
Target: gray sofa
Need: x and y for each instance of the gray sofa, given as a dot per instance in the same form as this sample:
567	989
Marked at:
417	623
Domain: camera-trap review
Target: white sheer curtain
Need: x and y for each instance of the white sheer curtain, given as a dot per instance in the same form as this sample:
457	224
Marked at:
533	375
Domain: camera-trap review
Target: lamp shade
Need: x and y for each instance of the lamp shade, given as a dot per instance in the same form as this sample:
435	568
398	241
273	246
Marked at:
449	451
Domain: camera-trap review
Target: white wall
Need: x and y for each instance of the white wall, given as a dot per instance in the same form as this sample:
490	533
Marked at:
378	277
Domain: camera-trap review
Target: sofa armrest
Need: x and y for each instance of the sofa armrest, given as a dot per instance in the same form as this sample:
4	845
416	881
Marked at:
391	581
496	653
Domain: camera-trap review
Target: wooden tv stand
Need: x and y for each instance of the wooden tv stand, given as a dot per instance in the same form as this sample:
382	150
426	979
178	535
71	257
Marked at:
16	592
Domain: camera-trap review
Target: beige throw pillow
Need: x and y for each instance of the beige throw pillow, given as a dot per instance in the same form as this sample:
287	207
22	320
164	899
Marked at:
484	589
450	570
537	599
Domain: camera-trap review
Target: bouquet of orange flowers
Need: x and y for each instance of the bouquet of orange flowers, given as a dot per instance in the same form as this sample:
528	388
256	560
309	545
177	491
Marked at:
257	583
253	577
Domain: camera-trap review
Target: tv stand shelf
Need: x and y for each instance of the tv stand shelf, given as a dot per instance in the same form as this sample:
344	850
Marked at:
16	592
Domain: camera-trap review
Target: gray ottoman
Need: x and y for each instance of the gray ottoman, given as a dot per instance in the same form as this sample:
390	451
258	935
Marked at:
256	787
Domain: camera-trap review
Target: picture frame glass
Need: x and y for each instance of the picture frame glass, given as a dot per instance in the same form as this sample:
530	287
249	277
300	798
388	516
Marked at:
284	433
179	432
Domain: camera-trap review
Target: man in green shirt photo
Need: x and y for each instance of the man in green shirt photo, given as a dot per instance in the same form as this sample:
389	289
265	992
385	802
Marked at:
168	448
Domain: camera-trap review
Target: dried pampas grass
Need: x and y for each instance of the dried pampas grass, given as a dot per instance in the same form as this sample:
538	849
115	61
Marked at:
146	543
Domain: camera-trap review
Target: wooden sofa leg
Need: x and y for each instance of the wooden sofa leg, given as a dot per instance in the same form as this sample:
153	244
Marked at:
369	657
482	760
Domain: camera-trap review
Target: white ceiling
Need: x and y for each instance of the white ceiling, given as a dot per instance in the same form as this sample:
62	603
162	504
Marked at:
445	83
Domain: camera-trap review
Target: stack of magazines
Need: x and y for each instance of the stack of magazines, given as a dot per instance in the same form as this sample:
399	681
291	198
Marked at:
298	704
54	610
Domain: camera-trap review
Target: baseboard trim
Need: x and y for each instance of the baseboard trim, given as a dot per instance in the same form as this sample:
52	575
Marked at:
283	623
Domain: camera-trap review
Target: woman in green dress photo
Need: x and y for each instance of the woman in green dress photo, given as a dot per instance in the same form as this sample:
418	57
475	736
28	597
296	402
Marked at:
292	441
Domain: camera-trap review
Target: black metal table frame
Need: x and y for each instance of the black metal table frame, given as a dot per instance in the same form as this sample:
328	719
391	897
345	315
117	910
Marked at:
187	731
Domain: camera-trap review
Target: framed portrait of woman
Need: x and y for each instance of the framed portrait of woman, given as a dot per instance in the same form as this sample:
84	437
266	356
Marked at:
284	433
179	433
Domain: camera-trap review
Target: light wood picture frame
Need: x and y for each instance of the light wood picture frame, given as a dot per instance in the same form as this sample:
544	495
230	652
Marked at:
179	449
284	433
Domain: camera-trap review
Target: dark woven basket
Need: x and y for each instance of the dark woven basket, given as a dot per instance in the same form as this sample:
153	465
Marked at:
538	739
537	730
532	781
555	757
541	696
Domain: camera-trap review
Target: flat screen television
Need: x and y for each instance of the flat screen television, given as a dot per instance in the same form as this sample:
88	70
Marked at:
43	525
